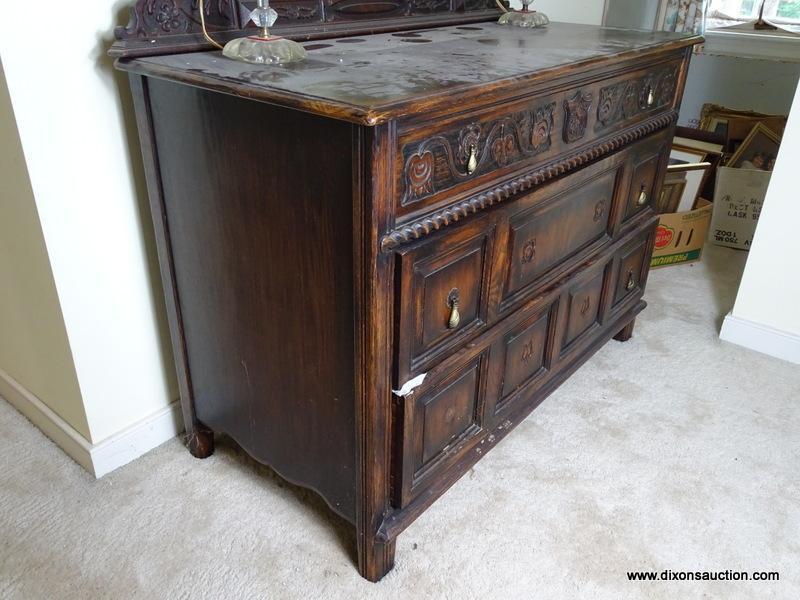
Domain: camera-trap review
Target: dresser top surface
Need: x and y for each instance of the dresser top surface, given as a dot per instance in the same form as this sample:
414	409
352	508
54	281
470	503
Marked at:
373	78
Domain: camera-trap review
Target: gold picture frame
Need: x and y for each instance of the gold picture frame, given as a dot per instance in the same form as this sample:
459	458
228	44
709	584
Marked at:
734	125
761	142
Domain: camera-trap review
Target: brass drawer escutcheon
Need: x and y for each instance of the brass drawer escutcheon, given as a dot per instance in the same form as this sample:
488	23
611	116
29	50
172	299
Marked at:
472	163
631	281
452	302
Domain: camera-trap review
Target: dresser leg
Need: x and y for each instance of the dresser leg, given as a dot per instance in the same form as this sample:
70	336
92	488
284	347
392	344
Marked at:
375	559
626	332
200	440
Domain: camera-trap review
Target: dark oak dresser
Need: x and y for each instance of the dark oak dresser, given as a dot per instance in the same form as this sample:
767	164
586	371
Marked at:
428	193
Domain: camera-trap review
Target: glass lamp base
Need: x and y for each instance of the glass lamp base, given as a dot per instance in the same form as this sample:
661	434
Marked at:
265	51
524	18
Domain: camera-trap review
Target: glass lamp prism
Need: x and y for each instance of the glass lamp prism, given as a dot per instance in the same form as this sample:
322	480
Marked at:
264	48
524	17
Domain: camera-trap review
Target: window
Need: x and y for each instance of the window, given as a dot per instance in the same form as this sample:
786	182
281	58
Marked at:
730	32
723	13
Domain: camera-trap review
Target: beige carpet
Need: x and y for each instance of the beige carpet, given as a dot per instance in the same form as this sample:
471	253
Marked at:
673	451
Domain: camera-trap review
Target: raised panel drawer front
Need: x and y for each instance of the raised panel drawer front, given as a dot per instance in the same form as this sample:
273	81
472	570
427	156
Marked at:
439	161
646	173
438	420
584	300
526	355
443	298
551	232
632	266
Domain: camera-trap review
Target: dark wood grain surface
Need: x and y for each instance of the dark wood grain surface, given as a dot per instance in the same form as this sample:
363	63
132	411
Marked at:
262	262
373	78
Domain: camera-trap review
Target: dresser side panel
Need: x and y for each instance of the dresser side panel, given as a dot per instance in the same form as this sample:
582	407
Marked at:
259	216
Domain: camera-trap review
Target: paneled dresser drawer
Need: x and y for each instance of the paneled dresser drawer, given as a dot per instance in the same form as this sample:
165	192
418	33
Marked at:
647	165
452	418
549	232
443	294
524	357
631	267
469	276
584	302
440	421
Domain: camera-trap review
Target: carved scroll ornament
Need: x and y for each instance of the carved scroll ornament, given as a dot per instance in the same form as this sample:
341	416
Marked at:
441	161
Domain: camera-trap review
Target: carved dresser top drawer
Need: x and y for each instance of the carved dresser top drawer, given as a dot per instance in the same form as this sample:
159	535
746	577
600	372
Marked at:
438	162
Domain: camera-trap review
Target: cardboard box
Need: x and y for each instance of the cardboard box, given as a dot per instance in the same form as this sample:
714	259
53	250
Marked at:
680	236
738	199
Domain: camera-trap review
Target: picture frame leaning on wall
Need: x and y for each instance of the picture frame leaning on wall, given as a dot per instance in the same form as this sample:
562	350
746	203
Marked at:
758	150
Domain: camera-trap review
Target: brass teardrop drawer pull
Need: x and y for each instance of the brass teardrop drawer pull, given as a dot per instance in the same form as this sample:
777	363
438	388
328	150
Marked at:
642	198
452	301
631	281
651	97
472	163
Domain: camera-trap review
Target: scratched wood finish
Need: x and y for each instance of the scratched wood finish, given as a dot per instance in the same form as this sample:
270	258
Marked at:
301	289
375	78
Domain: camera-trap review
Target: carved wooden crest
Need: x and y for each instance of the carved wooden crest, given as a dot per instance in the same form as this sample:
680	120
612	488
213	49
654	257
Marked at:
599	210
503	148
542	127
419	171
576	115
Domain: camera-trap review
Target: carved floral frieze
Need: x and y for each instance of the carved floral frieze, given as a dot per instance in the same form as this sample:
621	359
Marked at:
442	161
624	100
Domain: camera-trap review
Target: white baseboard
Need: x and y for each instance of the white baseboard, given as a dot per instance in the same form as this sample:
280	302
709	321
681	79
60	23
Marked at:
761	338
107	455
53	426
141	437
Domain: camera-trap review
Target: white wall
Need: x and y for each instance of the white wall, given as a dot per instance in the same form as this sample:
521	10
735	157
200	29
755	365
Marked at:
87	188
766	316
34	350
632	14
569	11
744	83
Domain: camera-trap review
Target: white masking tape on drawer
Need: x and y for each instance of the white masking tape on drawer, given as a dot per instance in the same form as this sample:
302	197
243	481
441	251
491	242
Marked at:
410	385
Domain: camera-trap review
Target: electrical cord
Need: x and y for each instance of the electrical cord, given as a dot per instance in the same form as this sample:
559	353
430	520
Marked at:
200	5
